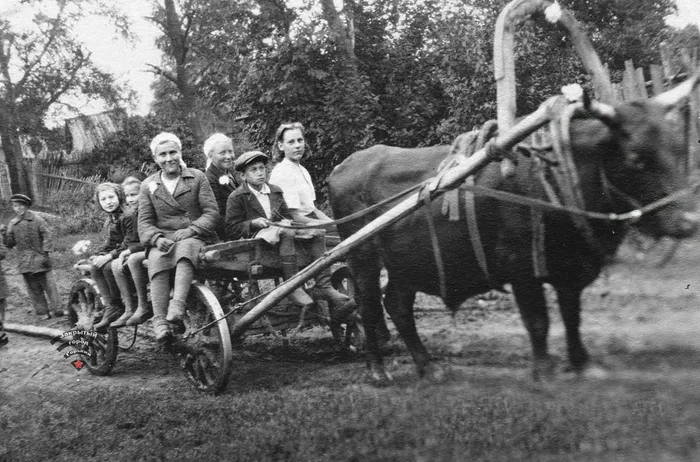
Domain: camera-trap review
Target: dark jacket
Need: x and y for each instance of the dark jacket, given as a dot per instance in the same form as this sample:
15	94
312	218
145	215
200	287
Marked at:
192	205
221	191
242	207
33	241
131	231
114	244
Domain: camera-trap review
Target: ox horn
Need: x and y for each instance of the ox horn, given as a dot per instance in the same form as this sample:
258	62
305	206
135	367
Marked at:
605	112
678	94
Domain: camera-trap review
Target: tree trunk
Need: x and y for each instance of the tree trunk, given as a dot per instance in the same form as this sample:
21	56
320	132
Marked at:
342	33
178	39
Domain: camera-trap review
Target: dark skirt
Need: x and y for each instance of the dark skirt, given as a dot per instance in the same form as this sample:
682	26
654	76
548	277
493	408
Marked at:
165	261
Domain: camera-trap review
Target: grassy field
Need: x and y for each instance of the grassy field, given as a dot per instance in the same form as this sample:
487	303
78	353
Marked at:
308	401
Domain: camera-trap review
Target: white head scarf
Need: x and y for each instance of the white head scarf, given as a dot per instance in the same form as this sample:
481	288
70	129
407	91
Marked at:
165	137
210	142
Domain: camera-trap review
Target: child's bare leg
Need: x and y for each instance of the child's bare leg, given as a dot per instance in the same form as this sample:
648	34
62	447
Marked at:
184	274
139	276
123	282
102	286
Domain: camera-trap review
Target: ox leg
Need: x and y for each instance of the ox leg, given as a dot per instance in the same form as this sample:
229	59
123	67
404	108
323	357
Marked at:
399	304
365	269
570	308
529	296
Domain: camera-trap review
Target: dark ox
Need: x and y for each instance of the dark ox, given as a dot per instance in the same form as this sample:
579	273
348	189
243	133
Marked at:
637	149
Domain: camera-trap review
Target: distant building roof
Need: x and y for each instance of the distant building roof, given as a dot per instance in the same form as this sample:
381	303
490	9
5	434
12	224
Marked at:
90	131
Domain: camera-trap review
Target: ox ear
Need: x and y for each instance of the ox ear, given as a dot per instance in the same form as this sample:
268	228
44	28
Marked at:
680	94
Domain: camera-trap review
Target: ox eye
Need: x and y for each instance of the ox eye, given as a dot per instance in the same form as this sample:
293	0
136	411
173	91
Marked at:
638	164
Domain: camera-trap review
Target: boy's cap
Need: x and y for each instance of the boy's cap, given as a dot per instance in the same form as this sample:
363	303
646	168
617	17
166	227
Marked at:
22	199
247	158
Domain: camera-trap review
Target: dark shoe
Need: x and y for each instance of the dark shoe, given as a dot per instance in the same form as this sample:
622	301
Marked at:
140	316
111	314
3	339
161	328
176	310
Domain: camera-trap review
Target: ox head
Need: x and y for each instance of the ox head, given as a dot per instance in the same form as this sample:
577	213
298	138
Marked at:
649	148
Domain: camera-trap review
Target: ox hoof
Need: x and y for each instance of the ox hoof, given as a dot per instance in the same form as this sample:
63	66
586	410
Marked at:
381	378
543	370
436	373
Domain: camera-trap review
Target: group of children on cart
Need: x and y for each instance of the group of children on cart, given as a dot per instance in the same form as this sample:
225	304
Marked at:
169	216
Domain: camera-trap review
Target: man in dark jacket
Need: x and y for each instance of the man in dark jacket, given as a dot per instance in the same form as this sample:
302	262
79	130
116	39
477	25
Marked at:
31	237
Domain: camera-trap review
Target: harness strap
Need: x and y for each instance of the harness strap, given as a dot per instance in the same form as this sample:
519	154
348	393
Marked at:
437	254
473	227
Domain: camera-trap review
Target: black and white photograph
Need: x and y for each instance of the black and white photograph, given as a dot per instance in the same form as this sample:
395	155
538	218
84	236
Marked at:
350	230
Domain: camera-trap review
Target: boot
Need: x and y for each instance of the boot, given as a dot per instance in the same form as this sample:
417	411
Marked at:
176	310
140	316
111	314
290	267
343	306
129	309
161	328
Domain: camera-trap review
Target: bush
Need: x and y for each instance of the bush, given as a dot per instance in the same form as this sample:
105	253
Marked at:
74	212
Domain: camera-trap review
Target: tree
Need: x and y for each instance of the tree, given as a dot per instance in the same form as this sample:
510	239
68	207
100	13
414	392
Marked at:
401	72
205	44
43	66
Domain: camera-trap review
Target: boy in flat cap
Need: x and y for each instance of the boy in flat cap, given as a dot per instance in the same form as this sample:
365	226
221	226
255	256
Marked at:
256	204
31	237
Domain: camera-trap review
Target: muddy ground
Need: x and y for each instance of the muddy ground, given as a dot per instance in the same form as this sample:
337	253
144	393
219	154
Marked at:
640	322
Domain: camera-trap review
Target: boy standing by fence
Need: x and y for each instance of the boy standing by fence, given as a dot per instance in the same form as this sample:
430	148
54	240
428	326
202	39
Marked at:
29	234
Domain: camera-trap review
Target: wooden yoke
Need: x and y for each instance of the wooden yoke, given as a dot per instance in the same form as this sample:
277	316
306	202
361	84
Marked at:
514	14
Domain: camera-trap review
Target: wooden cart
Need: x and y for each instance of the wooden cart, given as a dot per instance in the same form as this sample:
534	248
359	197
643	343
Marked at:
231	277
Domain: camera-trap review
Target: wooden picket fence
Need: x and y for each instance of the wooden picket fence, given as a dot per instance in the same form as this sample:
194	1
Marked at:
50	181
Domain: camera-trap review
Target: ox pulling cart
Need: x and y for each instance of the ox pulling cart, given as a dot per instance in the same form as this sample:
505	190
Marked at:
205	339
213	323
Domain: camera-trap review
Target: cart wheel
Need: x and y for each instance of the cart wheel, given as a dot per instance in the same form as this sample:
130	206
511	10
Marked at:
84	305
102	353
84	309
342	281
207	356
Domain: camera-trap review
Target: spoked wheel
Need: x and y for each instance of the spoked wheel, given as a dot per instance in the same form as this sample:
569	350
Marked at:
206	356
84	305
84	310
350	332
